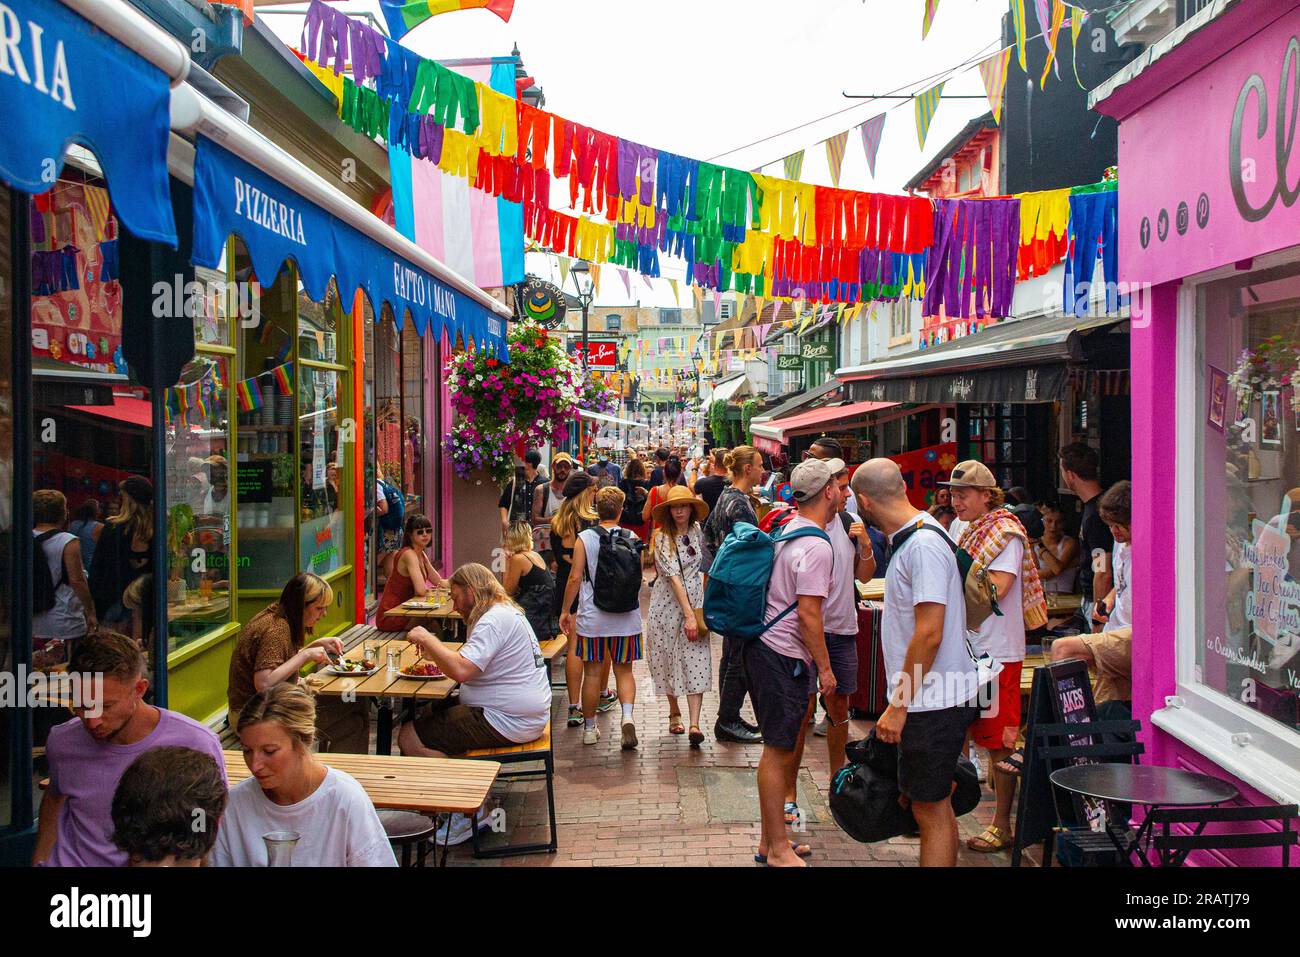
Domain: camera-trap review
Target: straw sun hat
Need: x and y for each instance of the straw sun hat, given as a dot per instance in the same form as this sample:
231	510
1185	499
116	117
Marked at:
679	495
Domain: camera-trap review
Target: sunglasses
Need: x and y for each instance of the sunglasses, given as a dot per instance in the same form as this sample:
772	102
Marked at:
422	530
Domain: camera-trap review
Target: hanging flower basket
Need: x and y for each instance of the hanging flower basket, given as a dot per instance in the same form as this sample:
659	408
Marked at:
502	407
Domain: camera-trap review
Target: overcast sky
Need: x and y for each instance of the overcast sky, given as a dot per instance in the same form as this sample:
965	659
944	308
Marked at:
706	78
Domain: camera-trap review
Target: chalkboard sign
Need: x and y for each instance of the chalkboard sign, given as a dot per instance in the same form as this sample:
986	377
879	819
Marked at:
1062	694
253	481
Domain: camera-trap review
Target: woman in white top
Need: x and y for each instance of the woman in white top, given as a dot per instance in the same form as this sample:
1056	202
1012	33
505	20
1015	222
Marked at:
1057	555
291	790
73	614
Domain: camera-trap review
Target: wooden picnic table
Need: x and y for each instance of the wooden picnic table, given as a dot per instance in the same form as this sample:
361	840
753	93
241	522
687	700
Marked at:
1059	605
437	610
427	785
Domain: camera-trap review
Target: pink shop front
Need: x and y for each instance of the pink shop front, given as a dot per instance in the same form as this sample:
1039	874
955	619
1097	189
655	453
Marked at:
1209	227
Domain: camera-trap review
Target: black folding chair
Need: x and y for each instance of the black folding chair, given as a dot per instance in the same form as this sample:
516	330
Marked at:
1097	847
1175	848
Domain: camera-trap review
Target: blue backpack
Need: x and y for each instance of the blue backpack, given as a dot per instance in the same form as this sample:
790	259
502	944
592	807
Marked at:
736	596
393	519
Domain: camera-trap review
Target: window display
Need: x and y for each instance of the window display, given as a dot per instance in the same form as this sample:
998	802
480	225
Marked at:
1249	491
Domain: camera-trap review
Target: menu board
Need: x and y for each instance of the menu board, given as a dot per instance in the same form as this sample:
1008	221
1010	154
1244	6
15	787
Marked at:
253	481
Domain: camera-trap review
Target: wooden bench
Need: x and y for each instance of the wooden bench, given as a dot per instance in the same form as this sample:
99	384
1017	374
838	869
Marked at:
552	648
540	750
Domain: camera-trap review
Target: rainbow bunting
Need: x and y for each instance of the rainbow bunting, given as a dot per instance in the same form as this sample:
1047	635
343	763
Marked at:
405	15
793	165
871	131
835	155
1076	27
1018	24
994	72
249	395
1058	17
931	7
283	380
926	105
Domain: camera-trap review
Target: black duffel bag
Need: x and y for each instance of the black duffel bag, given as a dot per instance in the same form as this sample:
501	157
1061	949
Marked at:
864	794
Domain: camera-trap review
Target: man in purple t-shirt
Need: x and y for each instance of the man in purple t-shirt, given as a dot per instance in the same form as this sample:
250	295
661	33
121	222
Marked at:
88	754
788	663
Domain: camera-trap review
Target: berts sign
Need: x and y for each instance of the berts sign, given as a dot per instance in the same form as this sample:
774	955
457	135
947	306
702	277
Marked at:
1187	208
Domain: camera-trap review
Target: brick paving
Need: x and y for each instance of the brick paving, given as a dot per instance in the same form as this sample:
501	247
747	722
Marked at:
665	804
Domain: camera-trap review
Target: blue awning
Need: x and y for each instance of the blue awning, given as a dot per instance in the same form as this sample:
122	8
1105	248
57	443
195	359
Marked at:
63	81
277	224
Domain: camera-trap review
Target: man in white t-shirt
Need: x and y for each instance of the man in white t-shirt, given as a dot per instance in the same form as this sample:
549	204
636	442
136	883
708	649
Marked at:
788	663
978	502
933	681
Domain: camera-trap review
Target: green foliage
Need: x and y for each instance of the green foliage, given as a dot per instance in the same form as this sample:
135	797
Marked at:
747	411
718	421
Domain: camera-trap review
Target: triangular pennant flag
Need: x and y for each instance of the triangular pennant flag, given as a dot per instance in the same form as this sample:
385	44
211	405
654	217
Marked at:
1058	17
672	283
994	72
793	165
627	281
871	132
717	303
1076	27
648	284
835	155
931	7
565	262
1018	25
1040	14
926	105
595	277
839	314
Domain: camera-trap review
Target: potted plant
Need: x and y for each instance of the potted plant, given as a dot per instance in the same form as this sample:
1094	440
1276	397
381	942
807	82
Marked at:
283	476
180	526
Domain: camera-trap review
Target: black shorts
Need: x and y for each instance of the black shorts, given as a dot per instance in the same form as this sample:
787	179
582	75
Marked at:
454	728
927	754
843	652
780	688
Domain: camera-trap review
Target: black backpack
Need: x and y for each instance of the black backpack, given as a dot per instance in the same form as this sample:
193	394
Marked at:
617	586
44	588
633	508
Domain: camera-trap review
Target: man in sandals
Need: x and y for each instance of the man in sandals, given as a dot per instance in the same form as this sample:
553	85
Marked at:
932	677
997	541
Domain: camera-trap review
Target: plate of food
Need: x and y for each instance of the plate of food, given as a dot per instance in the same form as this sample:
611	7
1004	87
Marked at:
345	668
421	671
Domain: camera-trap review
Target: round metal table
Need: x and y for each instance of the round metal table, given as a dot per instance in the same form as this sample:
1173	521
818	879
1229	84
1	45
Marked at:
1147	785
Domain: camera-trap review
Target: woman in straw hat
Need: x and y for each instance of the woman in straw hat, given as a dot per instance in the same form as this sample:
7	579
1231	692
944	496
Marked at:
678	643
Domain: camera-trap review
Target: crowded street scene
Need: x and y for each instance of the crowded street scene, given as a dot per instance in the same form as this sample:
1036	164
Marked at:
886	459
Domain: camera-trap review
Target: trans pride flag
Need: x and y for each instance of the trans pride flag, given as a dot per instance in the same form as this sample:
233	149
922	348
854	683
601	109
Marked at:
477	235
404	15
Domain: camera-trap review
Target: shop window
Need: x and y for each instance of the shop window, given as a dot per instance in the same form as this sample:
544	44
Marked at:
369	460
91	426
6	493
202	575
323	458
265	430
433	448
413	417
1248	490
388	425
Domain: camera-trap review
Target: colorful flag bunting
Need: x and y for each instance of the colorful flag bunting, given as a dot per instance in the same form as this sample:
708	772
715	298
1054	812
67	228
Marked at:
931	7
926	105
994	71
249	394
404	15
793	165
284	378
1018	25
1058	17
835	155
1076	27
871	131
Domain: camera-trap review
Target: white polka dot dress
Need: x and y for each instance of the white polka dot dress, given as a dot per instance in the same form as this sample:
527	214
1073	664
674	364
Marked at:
678	666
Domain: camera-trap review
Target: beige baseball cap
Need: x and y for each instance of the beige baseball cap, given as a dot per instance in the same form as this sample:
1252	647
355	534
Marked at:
811	476
971	474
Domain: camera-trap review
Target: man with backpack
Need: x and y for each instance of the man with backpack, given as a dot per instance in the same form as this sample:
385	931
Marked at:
606	580
788	662
933	678
516	503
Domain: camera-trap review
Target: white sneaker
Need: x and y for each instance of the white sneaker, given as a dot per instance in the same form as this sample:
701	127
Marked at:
462	829
590	736
981	775
820	728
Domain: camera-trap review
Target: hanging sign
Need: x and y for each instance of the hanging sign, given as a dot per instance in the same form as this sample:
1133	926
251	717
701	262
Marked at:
816	352
600	355
789	362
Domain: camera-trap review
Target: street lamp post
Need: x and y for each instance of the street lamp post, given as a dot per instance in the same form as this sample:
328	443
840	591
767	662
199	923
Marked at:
582	281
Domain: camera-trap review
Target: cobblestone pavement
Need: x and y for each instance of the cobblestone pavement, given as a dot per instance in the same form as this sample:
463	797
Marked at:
666	804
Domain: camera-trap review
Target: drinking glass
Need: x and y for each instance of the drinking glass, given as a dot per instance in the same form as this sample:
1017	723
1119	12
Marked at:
279	847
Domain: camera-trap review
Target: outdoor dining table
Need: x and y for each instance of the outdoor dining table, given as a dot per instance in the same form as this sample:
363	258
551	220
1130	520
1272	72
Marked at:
387	687
427	785
437	610
1148	785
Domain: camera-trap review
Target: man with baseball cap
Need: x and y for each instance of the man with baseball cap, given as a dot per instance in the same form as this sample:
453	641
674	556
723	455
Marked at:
995	538
787	665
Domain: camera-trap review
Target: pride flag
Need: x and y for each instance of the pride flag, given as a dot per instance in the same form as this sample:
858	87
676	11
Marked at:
404	15
477	235
282	378
249	395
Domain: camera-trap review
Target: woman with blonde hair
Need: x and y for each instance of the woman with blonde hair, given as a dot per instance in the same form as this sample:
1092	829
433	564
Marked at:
124	551
292	791
529	582
677	642
574	515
